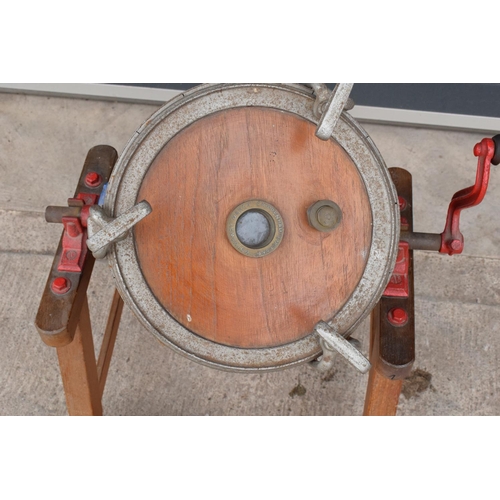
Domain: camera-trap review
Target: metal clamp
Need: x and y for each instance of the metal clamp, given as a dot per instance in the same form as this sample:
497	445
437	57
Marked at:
104	231
398	285
329	106
74	219
333	343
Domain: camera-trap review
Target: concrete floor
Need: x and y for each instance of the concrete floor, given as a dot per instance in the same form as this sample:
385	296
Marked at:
43	142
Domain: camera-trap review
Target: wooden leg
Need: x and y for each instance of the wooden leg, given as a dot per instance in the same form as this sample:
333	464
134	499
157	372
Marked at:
392	337
382	396
83	378
79	369
108	341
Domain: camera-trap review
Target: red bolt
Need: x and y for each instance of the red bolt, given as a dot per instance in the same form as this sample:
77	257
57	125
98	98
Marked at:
397	317
60	285
456	244
92	179
402	203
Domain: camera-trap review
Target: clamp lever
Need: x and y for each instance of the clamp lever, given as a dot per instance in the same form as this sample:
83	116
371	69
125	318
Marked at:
330	340
103	230
329	107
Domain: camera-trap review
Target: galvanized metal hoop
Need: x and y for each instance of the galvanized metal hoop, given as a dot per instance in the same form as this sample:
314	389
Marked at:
184	110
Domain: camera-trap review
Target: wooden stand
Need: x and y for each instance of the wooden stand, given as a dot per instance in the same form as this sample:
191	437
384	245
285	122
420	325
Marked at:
63	321
392	345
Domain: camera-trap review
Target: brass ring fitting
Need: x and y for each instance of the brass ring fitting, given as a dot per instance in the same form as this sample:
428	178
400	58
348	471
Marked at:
263	232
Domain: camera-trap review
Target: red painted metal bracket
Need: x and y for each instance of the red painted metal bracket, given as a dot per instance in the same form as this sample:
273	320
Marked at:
452	240
74	248
398	285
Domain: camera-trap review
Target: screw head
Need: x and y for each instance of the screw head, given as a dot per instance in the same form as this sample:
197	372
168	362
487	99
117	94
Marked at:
93	179
60	285
397	316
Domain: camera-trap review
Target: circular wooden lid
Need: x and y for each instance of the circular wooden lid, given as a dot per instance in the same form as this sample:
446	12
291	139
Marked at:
196	181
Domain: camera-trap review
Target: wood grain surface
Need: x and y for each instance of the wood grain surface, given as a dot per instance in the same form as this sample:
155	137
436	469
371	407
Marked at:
382	395
79	369
195	182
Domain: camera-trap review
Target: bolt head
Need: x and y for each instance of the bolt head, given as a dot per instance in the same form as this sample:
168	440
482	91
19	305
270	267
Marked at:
93	179
397	316
60	285
456	244
326	217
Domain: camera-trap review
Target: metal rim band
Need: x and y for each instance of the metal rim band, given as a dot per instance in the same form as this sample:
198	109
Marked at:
149	140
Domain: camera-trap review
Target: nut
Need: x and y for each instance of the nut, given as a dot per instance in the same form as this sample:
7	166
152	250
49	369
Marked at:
92	179
324	215
397	317
60	285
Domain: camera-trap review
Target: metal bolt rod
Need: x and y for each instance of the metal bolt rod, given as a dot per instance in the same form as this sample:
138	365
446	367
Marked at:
343	346
422	241
56	214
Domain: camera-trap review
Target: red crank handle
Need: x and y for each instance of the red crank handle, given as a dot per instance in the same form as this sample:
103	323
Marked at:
488	152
